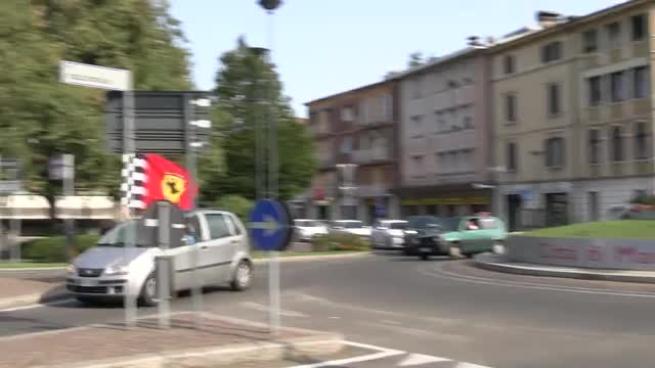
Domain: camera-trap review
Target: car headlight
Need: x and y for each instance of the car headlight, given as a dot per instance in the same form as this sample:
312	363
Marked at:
411	232
116	270
71	269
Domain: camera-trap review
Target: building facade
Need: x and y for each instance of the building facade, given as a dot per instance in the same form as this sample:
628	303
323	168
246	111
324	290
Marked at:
356	147
573	116
445	136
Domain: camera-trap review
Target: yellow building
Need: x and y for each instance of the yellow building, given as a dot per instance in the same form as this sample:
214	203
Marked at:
573	115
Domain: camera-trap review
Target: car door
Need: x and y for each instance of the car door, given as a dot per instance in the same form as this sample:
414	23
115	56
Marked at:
376	234
490	228
218	250
183	256
471	238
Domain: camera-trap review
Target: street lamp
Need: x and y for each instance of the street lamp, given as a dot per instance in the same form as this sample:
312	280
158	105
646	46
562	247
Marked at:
270	5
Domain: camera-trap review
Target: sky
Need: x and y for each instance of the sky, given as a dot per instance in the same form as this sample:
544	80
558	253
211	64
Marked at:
322	47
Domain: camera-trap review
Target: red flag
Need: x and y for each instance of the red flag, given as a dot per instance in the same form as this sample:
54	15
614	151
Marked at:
166	180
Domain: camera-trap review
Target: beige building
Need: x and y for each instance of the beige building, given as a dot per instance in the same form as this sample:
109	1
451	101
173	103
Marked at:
445	136
573	115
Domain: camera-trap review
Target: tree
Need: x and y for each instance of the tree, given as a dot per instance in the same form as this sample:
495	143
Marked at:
39	116
250	93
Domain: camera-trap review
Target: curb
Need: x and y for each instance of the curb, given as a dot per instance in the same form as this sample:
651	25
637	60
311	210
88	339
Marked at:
312	347
496	264
52	295
314	257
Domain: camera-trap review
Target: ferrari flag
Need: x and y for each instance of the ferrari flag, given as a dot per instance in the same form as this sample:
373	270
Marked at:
148	178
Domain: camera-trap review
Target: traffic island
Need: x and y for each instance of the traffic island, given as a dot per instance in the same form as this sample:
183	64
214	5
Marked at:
193	340
20	292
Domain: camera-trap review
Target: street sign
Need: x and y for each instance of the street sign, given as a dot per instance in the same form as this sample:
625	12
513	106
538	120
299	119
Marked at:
94	76
164	122
148	226
270	225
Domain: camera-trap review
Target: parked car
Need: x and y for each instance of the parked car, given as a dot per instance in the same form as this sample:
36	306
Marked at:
455	236
388	234
354	227
306	229
109	270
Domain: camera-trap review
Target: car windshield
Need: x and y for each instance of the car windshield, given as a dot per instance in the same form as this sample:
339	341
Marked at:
350	224
398	225
422	222
118	236
449	223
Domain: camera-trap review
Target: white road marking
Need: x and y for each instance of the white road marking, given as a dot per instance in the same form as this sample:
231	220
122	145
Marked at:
469	365
37	305
381	354
440	272
420	359
265	308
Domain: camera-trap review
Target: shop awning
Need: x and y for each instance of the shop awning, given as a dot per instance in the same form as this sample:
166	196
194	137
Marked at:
85	207
24	206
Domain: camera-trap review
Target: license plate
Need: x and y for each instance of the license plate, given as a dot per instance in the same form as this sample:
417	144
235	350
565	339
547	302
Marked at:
88	282
425	249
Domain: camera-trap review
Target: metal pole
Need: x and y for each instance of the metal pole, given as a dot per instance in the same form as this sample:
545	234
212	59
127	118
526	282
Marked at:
68	176
129	147
191	163
273	188
163	271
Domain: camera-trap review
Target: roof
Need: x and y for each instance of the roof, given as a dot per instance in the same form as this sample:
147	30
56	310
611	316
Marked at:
567	23
356	89
468	51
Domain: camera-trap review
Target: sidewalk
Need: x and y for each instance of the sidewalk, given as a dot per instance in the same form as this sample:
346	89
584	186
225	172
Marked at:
217	341
501	264
19	292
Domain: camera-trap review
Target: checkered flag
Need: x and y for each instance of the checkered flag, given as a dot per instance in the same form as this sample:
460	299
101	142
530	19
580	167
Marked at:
133	187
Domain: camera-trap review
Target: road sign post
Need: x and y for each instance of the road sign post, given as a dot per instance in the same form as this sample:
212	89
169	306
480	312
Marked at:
271	230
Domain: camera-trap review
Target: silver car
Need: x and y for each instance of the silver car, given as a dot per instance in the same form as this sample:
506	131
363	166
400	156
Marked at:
219	242
388	234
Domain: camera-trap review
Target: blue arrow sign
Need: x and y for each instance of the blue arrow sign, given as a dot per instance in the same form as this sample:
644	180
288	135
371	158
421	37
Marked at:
270	225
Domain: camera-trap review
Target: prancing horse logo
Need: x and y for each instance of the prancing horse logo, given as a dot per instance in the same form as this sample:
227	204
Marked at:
173	187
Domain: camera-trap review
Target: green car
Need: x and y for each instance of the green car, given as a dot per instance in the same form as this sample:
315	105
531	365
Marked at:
457	236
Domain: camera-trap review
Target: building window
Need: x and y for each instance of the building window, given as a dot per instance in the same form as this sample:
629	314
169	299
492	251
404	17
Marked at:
551	52
638	23
590	41
616	153
555	152
594	87
617	87
508	64
614	35
641	141
594	146
346	145
418	165
640	82
510	108
511	157
553	99
347	114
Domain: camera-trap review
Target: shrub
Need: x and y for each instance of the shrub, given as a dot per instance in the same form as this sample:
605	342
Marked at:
53	249
644	199
339	241
238	205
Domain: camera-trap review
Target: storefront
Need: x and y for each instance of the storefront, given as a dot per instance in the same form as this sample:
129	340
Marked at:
443	201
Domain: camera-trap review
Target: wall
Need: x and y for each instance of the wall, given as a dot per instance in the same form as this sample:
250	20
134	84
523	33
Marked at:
583	252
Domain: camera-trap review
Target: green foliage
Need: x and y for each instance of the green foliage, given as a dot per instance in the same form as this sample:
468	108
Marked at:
235	204
39	116
622	229
53	249
250	94
644	199
339	241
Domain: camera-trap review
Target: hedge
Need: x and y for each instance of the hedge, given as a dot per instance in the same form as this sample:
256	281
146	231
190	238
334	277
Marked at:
53	249
339	241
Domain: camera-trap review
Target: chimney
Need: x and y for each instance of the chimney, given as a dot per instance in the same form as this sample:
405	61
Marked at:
548	19
474	41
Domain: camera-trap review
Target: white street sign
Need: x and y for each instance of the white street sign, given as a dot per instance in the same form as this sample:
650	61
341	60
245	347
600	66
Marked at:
94	76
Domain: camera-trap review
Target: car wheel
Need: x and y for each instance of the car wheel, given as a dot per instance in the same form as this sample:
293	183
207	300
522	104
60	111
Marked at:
498	247
242	276
455	251
148	295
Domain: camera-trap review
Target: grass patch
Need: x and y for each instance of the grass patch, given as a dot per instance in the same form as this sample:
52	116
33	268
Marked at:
622	229
19	265
260	254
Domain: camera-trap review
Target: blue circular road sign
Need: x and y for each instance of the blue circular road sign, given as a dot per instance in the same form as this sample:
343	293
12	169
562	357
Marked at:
270	225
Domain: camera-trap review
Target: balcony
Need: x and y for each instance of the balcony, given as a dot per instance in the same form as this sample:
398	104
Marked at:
372	190
371	155
643	167
641	106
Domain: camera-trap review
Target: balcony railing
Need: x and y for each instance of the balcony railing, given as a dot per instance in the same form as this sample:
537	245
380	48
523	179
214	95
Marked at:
370	155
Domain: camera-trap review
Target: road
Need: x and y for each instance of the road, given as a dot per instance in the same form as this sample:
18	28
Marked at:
443	313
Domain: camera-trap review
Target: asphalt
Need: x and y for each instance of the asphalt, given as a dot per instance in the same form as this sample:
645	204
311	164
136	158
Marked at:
448	311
